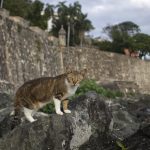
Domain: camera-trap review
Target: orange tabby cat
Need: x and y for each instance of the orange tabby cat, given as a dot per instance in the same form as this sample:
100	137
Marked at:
35	94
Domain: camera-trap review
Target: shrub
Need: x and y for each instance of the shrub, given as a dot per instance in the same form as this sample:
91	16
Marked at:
91	85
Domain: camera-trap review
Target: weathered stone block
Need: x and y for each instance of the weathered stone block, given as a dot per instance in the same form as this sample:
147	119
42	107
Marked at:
20	21
6	87
38	30
90	115
4	12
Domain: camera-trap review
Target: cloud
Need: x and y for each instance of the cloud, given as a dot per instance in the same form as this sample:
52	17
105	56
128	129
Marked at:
141	3
97	9
104	12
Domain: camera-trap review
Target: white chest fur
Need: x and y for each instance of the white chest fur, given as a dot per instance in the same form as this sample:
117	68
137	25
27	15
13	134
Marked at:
70	89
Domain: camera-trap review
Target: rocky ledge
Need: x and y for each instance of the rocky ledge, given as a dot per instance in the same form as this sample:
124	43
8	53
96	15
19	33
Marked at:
96	123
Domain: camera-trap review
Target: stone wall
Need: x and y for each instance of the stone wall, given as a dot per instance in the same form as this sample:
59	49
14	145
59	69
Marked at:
26	54
109	67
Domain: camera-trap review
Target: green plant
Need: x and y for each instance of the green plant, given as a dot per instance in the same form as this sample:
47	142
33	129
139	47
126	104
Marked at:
91	85
48	108
121	145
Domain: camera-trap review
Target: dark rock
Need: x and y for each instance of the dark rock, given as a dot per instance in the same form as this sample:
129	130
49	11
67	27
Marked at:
123	123
5	100
99	142
5	112
5	105
138	134
96	123
130	125
7	124
90	117
129	114
140	140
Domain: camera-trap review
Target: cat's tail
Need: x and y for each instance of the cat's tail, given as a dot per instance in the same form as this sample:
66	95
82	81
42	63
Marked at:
16	114
17	108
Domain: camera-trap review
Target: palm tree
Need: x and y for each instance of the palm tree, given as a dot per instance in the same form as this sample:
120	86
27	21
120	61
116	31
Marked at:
49	11
73	21
84	25
61	7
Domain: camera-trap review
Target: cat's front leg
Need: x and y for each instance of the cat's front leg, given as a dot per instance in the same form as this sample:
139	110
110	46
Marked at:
57	104
65	106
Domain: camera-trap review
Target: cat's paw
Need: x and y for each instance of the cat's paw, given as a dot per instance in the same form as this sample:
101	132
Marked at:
12	113
59	113
67	111
35	120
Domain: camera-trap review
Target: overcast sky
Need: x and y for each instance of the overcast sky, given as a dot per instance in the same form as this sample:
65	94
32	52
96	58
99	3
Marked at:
104	12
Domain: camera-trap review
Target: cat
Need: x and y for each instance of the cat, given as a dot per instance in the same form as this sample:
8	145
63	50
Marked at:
37	93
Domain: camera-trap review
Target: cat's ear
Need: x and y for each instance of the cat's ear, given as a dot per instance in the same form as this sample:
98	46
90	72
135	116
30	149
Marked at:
83	72
68	70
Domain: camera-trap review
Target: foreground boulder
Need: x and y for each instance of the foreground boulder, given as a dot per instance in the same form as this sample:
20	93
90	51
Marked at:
89	115
96	123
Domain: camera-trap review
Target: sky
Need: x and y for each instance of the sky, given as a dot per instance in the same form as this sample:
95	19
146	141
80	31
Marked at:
111	12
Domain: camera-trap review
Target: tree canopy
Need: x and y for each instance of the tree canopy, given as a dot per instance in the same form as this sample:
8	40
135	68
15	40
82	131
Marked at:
141	42
72	15
30	10
18	7
121	34
39	13
124	35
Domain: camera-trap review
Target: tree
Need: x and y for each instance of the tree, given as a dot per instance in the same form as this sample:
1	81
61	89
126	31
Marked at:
18	7
30	10
141	42
121	35
69	16
73	17
126	29
35	14
83	25
39	15
103	45
49	11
